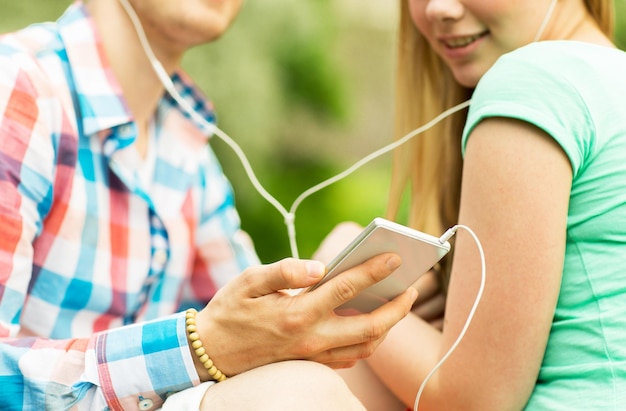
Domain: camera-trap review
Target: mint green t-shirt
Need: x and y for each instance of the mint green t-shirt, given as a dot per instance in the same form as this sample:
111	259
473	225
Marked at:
576	92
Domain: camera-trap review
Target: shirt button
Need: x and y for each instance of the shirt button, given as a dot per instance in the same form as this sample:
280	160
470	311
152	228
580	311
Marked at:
125	130
160	257
145	404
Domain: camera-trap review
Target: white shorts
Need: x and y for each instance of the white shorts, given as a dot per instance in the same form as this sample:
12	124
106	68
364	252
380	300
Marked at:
187	400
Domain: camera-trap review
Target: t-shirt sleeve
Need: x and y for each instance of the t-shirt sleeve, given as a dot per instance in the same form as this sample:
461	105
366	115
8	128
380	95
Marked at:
528	85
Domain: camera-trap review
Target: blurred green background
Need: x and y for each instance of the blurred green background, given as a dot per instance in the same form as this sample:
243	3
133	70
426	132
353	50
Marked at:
305	88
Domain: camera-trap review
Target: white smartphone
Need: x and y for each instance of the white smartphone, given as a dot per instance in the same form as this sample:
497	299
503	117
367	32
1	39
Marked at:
419	252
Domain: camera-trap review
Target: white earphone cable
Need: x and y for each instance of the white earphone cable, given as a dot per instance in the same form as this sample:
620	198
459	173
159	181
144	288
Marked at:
483	277
289	216
545	21
446	236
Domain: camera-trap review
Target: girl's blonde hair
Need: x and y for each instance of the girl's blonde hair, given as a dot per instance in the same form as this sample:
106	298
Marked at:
430	164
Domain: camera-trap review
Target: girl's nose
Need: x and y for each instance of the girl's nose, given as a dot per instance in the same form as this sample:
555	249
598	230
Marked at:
444	10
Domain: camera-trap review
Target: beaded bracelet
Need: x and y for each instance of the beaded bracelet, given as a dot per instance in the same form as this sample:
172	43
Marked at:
196	344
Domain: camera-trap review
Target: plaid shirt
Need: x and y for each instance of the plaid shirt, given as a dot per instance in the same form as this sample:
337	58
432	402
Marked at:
99	247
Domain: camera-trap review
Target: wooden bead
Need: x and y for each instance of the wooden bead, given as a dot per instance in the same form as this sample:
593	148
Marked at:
196	344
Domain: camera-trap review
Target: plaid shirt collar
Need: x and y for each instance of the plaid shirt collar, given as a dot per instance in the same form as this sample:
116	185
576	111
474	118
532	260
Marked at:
104	107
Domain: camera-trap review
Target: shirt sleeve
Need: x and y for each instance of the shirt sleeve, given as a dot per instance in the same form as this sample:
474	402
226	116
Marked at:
26	169
533	84
129	368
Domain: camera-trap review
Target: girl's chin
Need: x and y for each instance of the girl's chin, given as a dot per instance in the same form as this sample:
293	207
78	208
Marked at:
468	76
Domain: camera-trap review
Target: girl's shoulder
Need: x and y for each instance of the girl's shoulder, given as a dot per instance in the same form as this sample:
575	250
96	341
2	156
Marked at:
566	55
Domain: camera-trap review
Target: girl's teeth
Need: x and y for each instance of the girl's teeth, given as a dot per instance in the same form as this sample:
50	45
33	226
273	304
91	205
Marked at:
462	42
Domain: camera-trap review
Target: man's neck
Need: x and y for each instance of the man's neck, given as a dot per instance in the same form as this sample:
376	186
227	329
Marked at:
140	85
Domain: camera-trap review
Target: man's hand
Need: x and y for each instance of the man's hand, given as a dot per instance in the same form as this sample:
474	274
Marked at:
250	323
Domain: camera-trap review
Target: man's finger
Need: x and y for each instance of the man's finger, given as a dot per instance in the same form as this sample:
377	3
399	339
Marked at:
348	284
284	274
367	328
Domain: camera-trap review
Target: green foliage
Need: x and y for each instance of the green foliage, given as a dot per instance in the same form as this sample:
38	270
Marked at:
283	93
16	14
359	198
620	27
311	80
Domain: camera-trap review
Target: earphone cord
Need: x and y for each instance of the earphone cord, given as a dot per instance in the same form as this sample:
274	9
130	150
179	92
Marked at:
483	277
545	21
289	216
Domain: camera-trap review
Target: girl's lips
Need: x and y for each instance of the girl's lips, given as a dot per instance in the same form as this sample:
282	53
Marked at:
458	47
459	42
